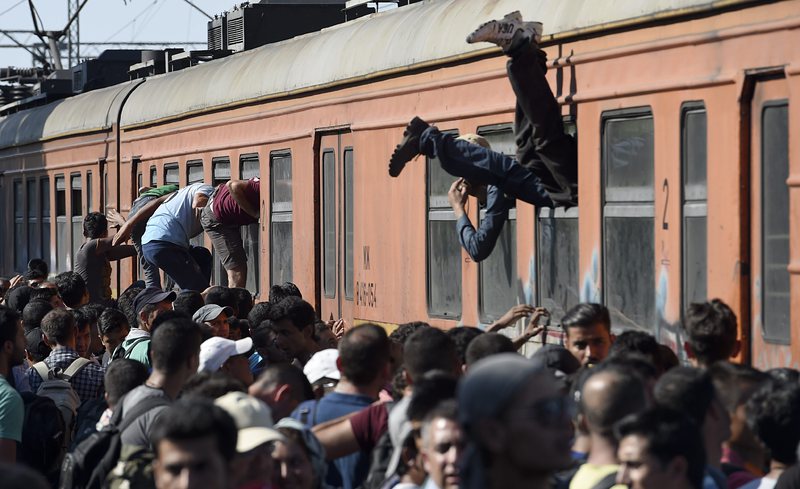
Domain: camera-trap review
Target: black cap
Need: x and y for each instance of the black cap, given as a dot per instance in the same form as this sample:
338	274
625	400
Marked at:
35	344
151	295
557	358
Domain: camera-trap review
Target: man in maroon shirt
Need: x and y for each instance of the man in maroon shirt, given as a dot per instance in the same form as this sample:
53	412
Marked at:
232	205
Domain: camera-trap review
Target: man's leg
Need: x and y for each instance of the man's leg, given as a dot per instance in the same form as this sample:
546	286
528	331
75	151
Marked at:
202	257
227	241
483	166
179	264
542	144
151	276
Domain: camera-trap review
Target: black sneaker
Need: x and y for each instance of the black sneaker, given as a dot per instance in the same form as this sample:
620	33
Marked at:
408	147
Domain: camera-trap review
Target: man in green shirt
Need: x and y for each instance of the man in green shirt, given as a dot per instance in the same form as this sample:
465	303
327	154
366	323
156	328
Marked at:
12	410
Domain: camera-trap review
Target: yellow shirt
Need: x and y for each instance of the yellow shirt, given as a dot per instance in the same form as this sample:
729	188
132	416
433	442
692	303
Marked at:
588	475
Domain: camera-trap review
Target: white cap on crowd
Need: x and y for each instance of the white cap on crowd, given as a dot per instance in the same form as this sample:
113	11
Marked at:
214	352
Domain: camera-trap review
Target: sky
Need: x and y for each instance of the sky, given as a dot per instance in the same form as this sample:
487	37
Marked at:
110	20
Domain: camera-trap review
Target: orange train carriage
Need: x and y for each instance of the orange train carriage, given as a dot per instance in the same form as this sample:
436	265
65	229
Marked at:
688	177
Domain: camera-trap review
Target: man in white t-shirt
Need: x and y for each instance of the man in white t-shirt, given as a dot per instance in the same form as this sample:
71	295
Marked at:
165	242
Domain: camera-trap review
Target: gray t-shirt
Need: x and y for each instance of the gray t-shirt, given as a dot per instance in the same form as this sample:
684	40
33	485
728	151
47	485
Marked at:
138	433
95	267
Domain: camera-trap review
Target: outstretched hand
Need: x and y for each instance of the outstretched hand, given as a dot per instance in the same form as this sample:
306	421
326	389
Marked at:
534	328
115	218
512	316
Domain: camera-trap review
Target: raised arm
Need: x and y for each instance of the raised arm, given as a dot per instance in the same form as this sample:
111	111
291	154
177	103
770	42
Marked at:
142	216
238	189
479	244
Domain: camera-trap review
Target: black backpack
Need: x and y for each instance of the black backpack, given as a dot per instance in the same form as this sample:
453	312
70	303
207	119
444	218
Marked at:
121	352
88	465
43	435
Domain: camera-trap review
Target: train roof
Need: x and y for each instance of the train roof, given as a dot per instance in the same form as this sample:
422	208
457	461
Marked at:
412	37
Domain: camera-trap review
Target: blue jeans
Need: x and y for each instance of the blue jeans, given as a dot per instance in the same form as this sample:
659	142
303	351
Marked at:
151	275
189	267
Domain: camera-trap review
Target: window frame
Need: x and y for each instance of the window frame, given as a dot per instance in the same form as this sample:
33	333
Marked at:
169	167
627	204
329	211
73	217
348	218
190	165
45	219
256	259
19	215
280	211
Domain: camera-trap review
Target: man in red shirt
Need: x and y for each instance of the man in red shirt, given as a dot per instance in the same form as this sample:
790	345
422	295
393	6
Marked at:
232	205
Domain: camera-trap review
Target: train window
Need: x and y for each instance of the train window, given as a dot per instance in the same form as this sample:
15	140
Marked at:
62	233
497	274
443	250
44	200
558	251
194	171
251	237
628	233
153	176
89	191
329	221
20	249
775	221
349	269
221	170
171	174
281	218
34	250
695	209
76	191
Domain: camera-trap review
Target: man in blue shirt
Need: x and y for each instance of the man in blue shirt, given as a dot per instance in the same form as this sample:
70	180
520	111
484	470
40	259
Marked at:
165	242
545	170
12	410
365	368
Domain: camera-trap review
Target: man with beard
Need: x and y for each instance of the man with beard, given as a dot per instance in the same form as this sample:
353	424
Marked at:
12	410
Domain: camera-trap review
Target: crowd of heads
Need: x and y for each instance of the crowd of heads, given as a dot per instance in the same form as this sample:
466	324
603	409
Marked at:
247	387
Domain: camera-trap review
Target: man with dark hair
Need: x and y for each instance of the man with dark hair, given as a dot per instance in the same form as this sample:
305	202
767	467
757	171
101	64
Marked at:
364	366
33	314
774	413
165	242
12	410
175	351
18	297
258	314
429	349
691	391
219	295
125	304
517	423
278	293
486	345
743	455
83	333
293	322
123	376
233	204
72	289
211	385
711	331
587	332
188	302
660	448
442	444
243	300
93	259
147	305
608	394
59	329
112	328
283	387
637	342
462	337
195	445
47	294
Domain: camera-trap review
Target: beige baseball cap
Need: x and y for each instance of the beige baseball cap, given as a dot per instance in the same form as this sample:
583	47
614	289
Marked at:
253	419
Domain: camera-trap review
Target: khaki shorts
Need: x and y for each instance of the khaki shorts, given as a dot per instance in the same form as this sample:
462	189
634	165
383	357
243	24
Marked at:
227	240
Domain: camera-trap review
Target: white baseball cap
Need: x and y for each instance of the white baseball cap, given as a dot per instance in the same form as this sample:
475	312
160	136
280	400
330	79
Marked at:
323	364
253	420
216	351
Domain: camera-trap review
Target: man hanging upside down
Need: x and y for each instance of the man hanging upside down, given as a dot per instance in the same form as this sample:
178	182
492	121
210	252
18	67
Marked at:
545	170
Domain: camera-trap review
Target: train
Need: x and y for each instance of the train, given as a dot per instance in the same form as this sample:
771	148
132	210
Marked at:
689	184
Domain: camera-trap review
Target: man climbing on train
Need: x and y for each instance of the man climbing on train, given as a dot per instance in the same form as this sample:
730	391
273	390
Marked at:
232	205
545	170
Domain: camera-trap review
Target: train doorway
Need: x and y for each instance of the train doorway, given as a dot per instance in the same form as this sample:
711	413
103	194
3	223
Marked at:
336	161
770	247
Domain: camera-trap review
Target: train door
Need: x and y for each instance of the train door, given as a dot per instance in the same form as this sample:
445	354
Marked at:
770	210
336	166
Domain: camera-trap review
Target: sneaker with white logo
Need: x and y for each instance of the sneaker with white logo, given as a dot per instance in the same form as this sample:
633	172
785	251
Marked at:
502	31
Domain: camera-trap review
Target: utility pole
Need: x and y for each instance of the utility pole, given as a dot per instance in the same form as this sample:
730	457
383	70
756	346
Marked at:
73	33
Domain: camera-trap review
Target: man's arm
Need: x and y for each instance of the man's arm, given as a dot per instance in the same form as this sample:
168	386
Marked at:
142	216
238	190
532	329
337	437
479	244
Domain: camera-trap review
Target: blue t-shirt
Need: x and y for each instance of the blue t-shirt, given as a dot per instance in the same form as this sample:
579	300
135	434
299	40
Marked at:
347	472
175	221
12	412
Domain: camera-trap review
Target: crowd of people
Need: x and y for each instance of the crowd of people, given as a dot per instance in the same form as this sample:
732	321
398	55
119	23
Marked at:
199	387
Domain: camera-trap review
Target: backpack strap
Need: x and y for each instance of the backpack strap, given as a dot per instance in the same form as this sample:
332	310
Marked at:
127	351
141	408
42	369
606	482
75	367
